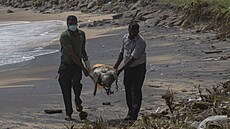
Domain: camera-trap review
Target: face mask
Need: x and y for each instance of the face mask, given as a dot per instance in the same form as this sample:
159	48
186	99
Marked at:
72	27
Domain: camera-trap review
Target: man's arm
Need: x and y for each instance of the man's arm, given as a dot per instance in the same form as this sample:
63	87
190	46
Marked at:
126	65
76	60
119	60
84	53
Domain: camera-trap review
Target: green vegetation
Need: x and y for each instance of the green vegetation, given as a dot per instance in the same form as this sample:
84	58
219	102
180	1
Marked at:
214	14
221	3
180	2
38	3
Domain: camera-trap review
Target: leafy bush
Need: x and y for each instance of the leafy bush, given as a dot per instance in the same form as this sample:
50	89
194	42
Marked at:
38	3
222	3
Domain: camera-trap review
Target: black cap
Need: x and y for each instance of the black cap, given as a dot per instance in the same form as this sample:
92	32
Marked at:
71	17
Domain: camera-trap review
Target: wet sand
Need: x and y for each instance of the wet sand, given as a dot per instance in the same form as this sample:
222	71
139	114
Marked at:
175	59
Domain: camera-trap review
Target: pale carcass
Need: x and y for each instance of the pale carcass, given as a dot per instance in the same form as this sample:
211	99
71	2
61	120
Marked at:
103	75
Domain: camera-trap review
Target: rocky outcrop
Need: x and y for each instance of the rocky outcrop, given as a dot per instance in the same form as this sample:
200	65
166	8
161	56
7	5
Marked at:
108	6
153	13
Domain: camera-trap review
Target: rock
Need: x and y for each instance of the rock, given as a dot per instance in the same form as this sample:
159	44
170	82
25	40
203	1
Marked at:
125	21
10	11
173	22
2	1
62	2
91	4
151	22
118	16
186	24
83	115
49	11
100	2
17	5
129	14
82	5
54	2
42	9
82	25
138	4
73	3
98	23
160	21
115	22
94	9
177	22
8	3
114	9
144	13
26	4
37	3
107	7
84	9
47	4
184	90
150	14
122	8
90	25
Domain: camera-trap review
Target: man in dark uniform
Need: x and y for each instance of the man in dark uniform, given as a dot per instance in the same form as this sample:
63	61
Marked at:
73	51
134	56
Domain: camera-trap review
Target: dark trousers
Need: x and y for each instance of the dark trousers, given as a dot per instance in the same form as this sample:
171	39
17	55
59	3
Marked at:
70	77
133	81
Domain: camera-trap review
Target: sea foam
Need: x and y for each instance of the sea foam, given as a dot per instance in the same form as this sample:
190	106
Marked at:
22	41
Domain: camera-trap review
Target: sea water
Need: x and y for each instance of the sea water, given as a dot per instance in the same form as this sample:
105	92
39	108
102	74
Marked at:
22	41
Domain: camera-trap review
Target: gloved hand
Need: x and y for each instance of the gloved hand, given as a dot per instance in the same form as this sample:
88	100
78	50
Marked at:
87	65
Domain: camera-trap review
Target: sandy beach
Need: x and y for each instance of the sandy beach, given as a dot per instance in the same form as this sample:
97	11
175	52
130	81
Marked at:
30	87
175	59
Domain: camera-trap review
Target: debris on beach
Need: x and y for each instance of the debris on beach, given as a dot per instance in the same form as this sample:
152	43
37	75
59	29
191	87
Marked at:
52	111
83	115
106	103
10	11
210	109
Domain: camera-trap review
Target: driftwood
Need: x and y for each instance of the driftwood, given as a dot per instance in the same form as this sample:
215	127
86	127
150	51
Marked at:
53	111
210	52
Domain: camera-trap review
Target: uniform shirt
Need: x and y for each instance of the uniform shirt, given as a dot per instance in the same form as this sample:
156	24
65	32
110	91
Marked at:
76	40
134	48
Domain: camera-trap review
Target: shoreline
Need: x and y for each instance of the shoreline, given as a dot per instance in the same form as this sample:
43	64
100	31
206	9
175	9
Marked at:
54	44
22	15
